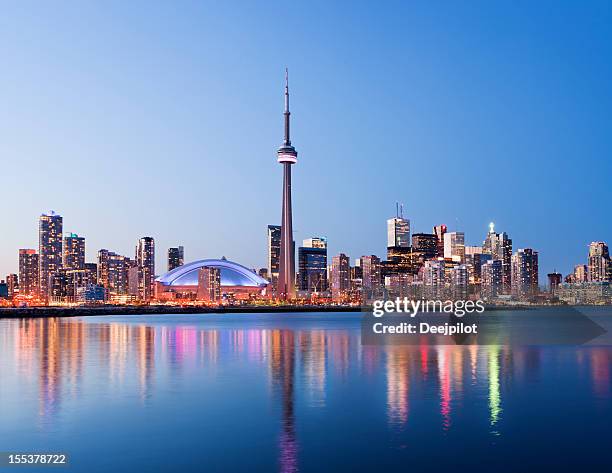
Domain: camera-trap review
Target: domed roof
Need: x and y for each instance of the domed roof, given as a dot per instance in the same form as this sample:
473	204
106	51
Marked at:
232	274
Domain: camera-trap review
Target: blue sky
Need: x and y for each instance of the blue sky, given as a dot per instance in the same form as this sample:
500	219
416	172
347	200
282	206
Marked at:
163	119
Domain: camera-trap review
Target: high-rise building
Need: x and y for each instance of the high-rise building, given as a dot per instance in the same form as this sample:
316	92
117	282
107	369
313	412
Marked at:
434	279
145	260
49	250
499	246
425	243
113	272
274	237
209	284
525	273
28	272
74	252
581	273
454	246
371	276
176	257
340	276
492	283
398	231
287	156
312	261
459	282
92	273
439	231
599	265
12	283
554	280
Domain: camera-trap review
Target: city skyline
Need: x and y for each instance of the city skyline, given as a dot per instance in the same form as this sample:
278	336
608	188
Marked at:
119	120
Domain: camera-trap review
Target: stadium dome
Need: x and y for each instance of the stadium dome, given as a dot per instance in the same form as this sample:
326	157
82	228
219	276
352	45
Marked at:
232	275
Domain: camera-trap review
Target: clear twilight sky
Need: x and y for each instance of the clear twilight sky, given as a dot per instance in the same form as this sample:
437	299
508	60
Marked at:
163	119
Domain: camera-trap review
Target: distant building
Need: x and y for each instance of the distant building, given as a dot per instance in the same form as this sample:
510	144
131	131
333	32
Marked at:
12	283
28	272
491	279
312	264
499	246
340	276
581	273
554	280
176	257
398	232
74	252
145	260
92	273
459	282
599	265
371	276
274	236
439	232
209	284
454	246
525	273
434	279
425	243
263	272
49	250
113	272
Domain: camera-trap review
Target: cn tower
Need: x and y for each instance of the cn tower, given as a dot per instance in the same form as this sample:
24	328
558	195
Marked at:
286	155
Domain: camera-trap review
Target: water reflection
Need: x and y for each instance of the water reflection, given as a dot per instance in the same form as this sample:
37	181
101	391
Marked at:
302	367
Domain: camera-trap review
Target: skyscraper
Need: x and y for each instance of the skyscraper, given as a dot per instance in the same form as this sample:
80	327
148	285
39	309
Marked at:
176	257
599	265
49	250
312	259
454	246
287	156
491	286
439	231
425	243
113	272
274	237
524	273
371	277
12	282
209	284
340	276
28	272
398	231
145	260
499	246
74	252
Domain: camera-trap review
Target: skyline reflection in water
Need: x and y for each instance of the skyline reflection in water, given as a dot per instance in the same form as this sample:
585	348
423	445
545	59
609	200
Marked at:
273	392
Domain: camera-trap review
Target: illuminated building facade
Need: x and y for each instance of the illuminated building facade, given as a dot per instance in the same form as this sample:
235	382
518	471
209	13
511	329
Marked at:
12	284
274	242
28	272
492	281
425	243
371	281
113	272
439	231
49	250
73	252
209	284
499	246
599	265
340	276
454	246
145	260
176	257
312	260
525	273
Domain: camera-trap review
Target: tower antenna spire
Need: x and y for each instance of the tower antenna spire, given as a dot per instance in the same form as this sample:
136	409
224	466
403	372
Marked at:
287	112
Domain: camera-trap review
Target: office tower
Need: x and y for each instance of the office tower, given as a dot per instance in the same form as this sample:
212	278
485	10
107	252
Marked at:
398	231
49	250
145	260
4	293
176	257
274	238
439	231
492	281
287	156
74	252
425	243
525	273
554	280
113	272
581	273
28	272
58	284
459	282
312	261
434	279
12	283
92	273
599	265
209	284
340	276
454	246
371	281
499	246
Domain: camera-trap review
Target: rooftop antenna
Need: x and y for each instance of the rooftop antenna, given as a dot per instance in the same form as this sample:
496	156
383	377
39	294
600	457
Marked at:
397	209
401	210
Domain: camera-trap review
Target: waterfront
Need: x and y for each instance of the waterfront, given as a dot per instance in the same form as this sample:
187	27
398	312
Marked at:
293	392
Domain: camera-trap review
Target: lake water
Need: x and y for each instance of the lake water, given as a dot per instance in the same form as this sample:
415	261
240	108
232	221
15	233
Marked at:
294	392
